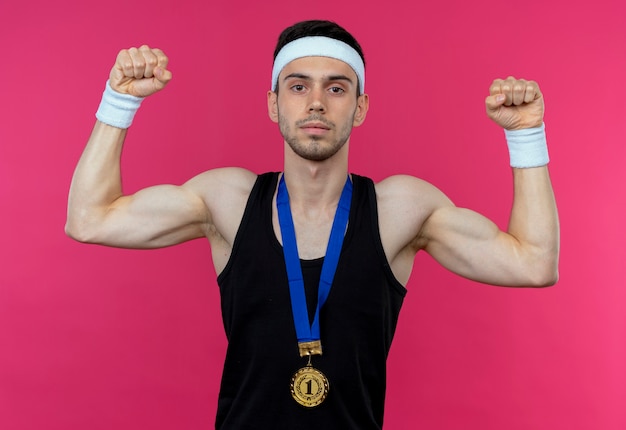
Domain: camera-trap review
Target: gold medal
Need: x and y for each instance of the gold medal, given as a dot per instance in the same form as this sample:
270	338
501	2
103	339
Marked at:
309	386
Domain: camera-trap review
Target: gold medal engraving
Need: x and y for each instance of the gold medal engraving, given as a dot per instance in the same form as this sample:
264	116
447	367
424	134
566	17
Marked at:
309	387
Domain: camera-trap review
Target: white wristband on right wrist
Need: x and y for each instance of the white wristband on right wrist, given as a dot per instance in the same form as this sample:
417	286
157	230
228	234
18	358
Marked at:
117	109
527	147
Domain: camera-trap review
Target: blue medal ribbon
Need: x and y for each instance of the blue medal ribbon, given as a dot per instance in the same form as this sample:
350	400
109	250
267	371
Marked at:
306	332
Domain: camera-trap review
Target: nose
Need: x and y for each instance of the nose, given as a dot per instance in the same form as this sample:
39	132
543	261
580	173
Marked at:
316	102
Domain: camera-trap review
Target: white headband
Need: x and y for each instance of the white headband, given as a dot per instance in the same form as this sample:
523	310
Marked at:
319	46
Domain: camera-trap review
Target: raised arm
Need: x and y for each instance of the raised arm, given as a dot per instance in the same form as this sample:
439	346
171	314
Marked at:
527	253
415	216
98	210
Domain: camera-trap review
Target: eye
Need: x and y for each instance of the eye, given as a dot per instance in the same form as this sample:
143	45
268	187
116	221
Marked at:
298	88
336	90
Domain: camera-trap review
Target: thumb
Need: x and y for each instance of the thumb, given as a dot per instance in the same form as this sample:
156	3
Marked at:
161	78
494	102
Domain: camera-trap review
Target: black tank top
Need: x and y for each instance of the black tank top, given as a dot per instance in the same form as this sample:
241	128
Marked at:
357	322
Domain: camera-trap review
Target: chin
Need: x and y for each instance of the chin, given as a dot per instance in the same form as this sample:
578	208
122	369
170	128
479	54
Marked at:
314	151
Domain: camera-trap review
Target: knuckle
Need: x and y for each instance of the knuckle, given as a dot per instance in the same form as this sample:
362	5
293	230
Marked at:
123	56
495	86
159	56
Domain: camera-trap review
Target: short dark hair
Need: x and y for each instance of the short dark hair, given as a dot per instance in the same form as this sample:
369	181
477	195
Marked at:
317	28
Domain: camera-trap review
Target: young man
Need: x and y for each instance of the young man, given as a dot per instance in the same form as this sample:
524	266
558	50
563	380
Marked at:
309	336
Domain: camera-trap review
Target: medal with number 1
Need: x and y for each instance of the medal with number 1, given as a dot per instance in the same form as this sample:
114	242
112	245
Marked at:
309	387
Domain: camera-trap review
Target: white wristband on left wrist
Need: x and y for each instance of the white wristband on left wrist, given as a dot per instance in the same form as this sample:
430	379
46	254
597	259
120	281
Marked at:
527	147
117	109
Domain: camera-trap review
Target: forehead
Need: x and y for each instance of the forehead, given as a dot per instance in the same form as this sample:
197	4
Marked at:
318	67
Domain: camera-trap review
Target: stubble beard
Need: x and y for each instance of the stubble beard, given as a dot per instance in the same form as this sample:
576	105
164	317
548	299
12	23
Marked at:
314	149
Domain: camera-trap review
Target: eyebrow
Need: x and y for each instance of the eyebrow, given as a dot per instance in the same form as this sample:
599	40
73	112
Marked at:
309	78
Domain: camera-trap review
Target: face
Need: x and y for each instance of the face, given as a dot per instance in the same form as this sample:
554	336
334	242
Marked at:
316	106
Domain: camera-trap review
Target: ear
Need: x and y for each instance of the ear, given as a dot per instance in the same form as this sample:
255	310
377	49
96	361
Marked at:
272	105
362	106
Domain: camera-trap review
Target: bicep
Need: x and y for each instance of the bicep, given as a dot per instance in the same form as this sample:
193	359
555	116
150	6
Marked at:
209	205
414	216
154	217
471	245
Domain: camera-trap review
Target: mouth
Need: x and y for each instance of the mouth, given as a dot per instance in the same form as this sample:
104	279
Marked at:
315	125
315	129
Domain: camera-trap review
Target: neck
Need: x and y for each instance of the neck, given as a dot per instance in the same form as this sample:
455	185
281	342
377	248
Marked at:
313	185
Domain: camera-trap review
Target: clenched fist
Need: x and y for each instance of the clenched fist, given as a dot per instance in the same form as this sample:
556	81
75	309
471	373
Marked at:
515	104
140	71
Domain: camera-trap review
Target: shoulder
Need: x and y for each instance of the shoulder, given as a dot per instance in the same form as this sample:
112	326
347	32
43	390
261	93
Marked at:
226	179
405	203
409	190
223	187
224	193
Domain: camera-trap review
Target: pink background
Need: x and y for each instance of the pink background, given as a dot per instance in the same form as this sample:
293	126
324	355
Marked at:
100	338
